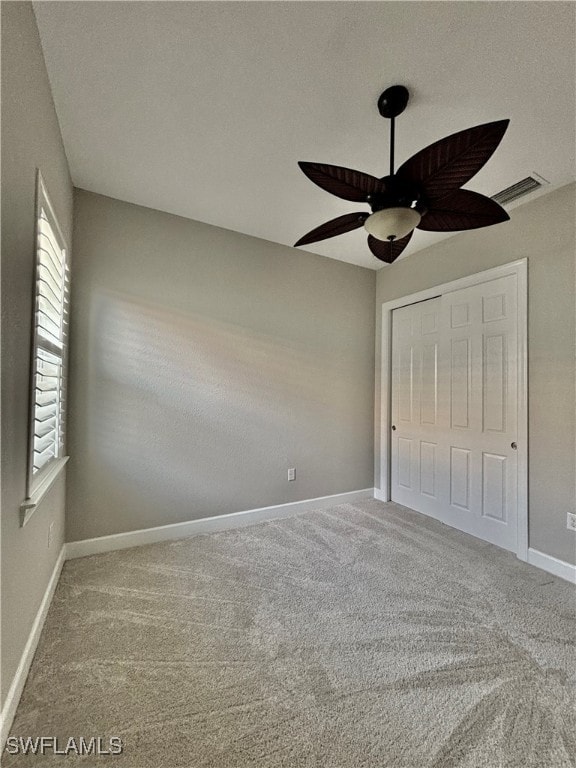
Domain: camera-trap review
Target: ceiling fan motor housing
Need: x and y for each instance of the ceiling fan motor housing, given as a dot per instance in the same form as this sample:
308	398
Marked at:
398	194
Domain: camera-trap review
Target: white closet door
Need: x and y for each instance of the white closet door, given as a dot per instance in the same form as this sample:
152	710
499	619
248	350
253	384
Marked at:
417	479
454	406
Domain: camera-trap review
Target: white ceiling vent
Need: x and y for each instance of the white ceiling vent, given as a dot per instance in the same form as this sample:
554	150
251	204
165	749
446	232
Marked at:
521	188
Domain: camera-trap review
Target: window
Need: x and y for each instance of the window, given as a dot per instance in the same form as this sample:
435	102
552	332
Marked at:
49	352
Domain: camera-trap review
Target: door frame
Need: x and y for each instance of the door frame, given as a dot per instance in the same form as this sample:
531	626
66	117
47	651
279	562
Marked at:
518	268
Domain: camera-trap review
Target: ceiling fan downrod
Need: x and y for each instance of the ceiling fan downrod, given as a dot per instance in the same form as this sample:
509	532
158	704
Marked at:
392	102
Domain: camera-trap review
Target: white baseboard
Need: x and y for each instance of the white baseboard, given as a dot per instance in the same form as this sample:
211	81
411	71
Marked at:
551	564
13	697
209	524
380	495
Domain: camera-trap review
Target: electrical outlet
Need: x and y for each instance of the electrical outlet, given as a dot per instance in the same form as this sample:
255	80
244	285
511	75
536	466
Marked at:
291	474
571	521
50	534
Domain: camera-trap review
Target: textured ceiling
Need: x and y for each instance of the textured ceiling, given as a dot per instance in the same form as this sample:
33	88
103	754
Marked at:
203	109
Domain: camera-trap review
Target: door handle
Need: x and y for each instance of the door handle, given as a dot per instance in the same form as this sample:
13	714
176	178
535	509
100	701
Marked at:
393	428
514	445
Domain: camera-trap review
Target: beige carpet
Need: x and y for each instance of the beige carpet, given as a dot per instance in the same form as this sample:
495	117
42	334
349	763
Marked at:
365	635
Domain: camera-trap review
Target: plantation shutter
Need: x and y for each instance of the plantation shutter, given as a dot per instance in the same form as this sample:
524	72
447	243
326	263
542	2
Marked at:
50	342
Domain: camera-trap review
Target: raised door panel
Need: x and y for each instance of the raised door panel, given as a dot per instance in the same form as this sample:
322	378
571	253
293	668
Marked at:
494	501
493	306
405	463
405	388
428	480
460	478
460	382
495	383
429	384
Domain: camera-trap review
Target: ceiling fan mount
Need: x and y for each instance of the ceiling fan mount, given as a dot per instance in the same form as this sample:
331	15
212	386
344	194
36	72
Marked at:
393	101
424	193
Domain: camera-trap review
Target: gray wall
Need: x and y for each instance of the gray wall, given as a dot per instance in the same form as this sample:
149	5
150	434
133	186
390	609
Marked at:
30	139
204	364
543	232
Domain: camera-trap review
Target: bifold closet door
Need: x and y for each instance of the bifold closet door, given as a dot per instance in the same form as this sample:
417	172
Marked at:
454	409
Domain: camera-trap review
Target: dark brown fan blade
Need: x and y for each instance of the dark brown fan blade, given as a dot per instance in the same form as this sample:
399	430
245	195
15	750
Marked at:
388	251
463	210
343	182
334	227
446	165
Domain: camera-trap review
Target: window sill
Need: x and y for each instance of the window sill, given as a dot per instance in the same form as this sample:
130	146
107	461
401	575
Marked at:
29	506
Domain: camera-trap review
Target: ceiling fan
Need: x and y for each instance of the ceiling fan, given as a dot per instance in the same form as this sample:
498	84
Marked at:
424	192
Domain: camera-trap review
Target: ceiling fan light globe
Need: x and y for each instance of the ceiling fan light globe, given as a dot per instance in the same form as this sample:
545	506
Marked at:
392	223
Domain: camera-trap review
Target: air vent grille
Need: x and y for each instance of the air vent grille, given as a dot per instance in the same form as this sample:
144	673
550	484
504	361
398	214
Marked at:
521	188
